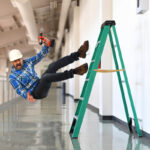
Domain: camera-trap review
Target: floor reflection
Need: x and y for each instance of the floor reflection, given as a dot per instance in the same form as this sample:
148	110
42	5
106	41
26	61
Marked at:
76	144
130	144
45	125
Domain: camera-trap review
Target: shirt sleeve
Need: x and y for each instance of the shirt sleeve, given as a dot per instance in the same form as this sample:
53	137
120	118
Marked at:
18	87
44	51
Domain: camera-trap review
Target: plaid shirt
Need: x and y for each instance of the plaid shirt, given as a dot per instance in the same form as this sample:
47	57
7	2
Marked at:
26	79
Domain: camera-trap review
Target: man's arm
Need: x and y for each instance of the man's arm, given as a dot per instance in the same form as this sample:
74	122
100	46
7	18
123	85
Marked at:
18	87
30	97
47	44
21	91
44	51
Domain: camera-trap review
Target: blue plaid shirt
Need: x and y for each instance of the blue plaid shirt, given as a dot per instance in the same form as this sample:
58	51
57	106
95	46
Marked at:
26	79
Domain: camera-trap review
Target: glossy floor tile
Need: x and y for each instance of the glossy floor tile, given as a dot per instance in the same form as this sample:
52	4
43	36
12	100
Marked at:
45	125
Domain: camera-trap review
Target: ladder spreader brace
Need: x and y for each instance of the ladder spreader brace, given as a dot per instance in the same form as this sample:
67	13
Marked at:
86	91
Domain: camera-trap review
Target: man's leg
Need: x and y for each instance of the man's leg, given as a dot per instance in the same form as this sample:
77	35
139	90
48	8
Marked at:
68	59
53	67
55	77
41	90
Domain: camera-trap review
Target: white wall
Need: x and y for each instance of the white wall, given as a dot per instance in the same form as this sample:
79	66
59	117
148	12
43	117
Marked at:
76	17
134	36
3	66
105	106
65	51
90	22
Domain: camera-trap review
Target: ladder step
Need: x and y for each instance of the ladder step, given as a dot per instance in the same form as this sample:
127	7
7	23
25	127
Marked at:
73	125
81	98
97	43
76	117
86	80
92	61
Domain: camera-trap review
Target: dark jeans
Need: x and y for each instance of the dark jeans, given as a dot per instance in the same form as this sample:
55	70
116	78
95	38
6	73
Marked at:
50	75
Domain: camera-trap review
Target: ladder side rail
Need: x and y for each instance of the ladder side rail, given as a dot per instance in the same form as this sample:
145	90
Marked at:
119	77
127	83
85	83
94	55
88	74
90	82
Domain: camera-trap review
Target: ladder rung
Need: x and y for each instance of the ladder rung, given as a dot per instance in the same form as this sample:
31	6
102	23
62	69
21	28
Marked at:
92	61
86	80
122	81
97	43
115	46
81	98
75	117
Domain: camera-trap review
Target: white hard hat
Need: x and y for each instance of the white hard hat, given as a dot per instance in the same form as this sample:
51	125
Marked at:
15	54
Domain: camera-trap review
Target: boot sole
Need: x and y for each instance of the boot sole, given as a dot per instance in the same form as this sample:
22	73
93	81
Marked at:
87	48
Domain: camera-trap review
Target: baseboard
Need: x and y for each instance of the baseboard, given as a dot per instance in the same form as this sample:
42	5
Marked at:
124	125
105	117
93	108
145	134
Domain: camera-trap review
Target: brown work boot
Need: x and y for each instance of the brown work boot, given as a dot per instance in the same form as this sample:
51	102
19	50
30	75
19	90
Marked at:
81	69
83	49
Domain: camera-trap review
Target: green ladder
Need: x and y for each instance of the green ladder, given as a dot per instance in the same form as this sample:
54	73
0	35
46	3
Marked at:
86	91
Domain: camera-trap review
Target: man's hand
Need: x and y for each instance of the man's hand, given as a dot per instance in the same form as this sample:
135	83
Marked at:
30	98
47	42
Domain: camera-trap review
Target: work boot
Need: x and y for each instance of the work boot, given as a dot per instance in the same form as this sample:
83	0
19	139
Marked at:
83	49
81	69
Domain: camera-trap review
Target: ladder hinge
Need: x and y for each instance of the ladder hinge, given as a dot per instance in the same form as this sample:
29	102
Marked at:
108	23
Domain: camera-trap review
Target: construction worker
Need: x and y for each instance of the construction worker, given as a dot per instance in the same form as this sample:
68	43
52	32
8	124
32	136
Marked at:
26	82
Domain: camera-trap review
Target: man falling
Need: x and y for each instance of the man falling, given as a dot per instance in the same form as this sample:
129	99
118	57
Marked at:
24	79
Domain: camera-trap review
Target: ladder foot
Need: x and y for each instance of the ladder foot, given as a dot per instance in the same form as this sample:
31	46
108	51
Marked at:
73	125
130	125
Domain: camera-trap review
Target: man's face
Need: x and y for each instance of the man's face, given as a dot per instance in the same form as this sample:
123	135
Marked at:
18	64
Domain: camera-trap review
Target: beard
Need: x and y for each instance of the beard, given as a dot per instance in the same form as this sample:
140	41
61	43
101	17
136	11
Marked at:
18	66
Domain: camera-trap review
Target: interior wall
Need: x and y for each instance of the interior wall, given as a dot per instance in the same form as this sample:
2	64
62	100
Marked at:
105	106
3	66
71	83
90	22
134	35
72	40
85	23
76	16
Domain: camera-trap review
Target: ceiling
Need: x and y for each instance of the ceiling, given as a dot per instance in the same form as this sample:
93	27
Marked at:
13	31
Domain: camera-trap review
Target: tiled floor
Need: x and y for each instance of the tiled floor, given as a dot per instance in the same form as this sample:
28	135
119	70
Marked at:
45	125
